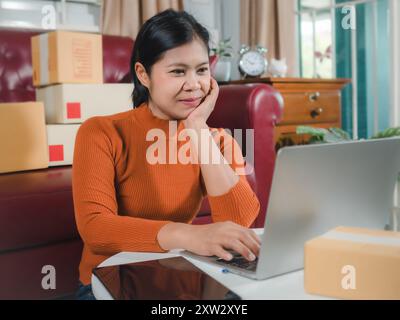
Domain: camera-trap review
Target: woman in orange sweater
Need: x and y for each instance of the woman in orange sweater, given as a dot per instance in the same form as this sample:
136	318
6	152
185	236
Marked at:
130	193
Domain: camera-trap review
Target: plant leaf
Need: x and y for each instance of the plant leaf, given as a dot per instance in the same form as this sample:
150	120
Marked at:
340	133
311	131
316	140
390	132
331	137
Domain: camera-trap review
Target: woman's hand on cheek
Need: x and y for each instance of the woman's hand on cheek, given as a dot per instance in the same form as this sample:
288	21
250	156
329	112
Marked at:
203	111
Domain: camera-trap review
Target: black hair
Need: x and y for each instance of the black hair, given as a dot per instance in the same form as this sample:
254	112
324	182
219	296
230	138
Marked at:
164	31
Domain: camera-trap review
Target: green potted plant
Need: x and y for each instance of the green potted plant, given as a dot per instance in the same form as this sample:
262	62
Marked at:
223	52
321	135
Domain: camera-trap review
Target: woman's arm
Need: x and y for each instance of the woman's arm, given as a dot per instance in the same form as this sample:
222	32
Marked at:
210	239
94	195
218	175
230	196
234	205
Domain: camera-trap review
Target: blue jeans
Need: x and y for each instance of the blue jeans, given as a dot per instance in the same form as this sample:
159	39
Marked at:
84	292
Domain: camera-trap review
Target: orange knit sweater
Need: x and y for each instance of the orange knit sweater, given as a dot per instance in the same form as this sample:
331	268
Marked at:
121	201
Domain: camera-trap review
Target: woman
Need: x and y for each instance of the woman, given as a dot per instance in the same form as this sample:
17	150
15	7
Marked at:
125	201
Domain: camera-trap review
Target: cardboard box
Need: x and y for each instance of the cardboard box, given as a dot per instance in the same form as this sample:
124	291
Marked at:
23	143
61	142
75	103
353	263
67	57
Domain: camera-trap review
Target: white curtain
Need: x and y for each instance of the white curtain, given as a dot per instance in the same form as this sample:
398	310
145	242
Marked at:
125	17
272	24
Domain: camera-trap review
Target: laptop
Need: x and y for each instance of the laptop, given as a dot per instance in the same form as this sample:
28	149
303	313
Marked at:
316	188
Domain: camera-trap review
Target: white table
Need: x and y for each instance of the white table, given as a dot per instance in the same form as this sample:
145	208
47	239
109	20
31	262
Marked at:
289	286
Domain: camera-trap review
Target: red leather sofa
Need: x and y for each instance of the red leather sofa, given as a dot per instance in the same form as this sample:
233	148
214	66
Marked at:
37	226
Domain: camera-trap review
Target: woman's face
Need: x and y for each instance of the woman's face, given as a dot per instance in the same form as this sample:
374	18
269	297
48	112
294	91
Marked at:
183	73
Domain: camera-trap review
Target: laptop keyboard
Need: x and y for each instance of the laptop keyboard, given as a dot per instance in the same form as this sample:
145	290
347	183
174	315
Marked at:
240	262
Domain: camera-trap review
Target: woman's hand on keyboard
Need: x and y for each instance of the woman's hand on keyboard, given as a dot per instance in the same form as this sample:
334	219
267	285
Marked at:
217	238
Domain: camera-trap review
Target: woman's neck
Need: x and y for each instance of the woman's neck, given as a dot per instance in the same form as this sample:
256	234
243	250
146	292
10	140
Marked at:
155	110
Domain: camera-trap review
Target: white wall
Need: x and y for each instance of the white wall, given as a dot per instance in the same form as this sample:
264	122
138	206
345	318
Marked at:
395	101
231	29
395	57
30	14
207	12
222	19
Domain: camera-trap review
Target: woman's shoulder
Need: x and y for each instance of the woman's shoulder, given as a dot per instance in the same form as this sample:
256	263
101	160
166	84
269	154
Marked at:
110	118
105	124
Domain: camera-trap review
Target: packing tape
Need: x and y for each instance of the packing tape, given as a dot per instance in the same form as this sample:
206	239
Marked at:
362	238
44	58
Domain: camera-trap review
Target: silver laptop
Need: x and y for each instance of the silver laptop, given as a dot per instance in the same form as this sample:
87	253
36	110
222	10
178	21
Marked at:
316	188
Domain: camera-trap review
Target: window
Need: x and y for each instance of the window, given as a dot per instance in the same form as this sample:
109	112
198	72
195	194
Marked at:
351	39
81	15
316	40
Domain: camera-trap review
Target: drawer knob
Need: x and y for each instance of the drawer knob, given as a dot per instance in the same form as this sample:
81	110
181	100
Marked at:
316	112
314	96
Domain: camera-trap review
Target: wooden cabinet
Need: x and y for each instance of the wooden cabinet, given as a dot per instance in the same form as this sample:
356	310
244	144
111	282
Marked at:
310	102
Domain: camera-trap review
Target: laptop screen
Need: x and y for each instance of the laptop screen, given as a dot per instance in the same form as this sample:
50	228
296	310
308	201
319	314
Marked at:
165	279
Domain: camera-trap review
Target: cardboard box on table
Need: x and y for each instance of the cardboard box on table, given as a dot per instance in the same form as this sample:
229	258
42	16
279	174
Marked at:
61	142
23	143
353	263
75	103
67	57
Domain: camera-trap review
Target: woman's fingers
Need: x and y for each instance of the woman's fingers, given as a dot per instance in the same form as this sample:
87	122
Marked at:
220	238
242	249
209	97
222	253
214	89
250	242
255	236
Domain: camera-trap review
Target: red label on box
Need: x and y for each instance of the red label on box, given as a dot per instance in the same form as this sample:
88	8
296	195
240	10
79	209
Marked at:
56	153
73	110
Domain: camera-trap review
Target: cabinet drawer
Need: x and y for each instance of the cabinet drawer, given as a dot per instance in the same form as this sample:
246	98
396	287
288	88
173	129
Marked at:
310	107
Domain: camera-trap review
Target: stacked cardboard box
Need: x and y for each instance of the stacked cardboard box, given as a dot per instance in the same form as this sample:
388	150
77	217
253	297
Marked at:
23	144
66	57
68	75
